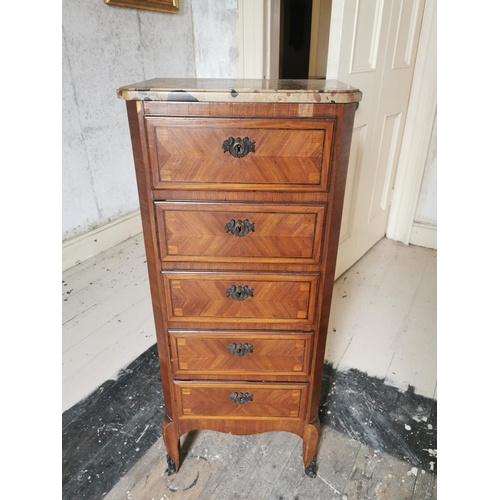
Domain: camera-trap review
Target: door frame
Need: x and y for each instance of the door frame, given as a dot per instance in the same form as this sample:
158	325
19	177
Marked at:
259	40
417	133
259	22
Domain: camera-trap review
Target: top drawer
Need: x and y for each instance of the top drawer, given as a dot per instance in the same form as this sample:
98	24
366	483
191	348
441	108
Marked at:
212	154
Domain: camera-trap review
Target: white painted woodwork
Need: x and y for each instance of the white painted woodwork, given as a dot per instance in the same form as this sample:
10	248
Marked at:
251	38
271	46
373	45
85	246
259	38
427	201
424	235
415	145
424	227
320	31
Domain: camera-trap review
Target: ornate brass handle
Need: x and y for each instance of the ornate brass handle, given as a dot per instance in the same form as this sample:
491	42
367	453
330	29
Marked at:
240	349
238	147
241	398
239	292
239	227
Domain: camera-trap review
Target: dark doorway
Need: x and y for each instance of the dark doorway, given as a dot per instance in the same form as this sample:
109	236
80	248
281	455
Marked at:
295	38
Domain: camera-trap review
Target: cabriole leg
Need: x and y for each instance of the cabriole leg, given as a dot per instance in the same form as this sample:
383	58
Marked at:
311	440
171	440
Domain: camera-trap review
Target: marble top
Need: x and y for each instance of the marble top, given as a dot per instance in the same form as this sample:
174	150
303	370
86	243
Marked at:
229	90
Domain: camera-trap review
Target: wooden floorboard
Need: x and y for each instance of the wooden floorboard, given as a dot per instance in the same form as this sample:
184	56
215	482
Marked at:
107	436
378	476
107	318
84	292
269	467
293	483
258	470
85	324
425	487
108	323
336	457
94	267
403	424
83	364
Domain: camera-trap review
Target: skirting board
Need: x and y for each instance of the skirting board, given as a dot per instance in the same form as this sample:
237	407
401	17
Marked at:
424	235
80	248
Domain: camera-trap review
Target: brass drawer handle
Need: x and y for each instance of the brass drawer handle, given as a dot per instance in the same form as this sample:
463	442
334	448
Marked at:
238	147
239	292
240	349
239	227
241	398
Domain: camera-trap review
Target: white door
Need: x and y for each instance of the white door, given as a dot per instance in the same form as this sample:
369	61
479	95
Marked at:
372	46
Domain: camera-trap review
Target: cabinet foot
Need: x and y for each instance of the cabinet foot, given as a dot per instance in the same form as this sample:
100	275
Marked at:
310	469
311	440
171	468
171	440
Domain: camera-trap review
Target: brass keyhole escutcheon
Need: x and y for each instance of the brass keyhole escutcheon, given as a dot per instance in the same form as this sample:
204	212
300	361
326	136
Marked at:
238	147
241	398
239	227
239	292
240	349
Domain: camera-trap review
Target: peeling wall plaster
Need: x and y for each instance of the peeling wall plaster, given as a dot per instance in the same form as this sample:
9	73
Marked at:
105	47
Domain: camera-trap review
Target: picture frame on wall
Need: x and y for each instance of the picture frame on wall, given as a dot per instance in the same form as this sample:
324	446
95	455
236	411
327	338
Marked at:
170	6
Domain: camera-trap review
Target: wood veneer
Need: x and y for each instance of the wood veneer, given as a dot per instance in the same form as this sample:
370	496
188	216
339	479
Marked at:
288	234
269	401
289	155
281	355
291	187
277	298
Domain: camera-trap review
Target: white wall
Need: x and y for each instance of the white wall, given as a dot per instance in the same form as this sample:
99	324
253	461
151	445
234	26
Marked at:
105	47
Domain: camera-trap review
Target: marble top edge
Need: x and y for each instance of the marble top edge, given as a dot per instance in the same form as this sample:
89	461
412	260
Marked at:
247	90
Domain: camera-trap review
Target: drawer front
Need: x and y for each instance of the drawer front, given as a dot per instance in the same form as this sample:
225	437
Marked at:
240	354
284	155
245	298
240	233
215	400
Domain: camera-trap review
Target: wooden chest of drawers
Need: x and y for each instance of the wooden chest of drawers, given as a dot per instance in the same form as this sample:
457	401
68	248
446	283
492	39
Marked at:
241	186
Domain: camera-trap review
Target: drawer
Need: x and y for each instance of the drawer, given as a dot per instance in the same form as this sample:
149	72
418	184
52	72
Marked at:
232	400
203	153
217	232
245	298
218	353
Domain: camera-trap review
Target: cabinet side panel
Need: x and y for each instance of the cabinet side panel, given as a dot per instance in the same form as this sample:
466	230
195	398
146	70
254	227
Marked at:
137	134
339	175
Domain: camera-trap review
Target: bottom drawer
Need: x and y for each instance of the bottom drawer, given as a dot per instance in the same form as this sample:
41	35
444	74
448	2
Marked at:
240	400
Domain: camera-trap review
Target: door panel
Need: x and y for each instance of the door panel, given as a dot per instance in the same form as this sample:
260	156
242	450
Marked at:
368	19
407	33
373	46
385	165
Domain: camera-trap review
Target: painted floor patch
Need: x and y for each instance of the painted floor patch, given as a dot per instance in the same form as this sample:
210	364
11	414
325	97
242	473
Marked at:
105	434
402	424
